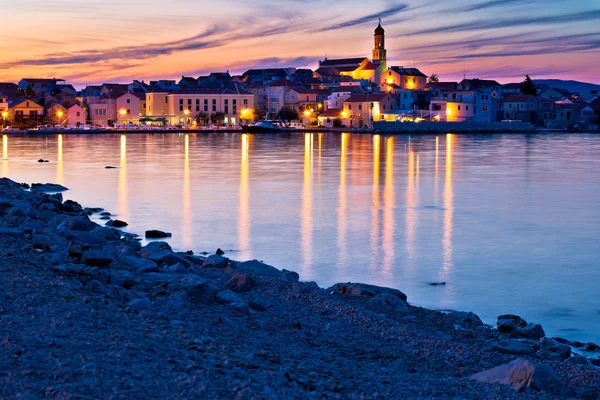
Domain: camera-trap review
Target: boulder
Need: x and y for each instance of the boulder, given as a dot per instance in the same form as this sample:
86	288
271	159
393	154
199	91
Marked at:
156	234
462	318
390	300
509	322
253	267
513	347
219	252
241	283
516	374
530	331
79	223
231	299
47	187
75	250
116	223
215	261
139	264
578	360
96	258
545	379
139	304
289	276
552	346
198	289
363	289
178	268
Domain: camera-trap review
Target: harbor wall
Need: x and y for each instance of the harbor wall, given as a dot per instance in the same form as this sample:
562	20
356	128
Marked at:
443	127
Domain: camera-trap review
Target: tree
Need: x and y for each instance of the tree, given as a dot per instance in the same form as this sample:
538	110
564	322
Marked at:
201	118
217	117
27	92
337	123
528	87
258	114
433	78
287	115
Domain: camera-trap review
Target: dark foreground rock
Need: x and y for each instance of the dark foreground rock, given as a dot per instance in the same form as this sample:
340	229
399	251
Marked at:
87	312
156	234
47	187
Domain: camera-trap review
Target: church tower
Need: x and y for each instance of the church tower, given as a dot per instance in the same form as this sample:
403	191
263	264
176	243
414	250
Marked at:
379	52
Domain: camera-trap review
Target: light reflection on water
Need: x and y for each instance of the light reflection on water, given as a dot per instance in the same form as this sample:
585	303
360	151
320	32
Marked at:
510	222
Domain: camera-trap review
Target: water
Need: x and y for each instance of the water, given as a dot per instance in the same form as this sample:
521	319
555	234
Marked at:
510	222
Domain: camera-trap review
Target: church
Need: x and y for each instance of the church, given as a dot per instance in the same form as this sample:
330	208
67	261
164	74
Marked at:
376	70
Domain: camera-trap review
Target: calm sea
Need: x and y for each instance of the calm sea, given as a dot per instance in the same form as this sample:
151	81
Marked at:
510	222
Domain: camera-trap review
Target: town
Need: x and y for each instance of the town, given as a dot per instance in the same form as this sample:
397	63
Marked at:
351	93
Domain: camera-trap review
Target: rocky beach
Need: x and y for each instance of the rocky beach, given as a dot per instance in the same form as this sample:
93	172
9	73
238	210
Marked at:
86	311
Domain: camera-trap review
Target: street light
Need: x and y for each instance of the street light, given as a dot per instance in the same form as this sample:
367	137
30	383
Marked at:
123	112
187	115
4	116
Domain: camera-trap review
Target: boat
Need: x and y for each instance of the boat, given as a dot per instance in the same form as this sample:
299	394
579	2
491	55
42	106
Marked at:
266	126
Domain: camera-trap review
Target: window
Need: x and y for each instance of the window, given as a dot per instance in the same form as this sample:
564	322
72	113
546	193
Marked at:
458	108
128	111
214	105
197	108
128	101
190	102
78	114
180	101
180	108
197	101
467	108
166	99
245	102
509	105
360	107
484	108
226	109
226	102
349	106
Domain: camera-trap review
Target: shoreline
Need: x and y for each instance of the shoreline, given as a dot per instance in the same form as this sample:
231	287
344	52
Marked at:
211	321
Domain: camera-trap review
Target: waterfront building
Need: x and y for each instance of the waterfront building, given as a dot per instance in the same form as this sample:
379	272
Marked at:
3	102
272	96
327	118
266	75
360	110
464	106
340	94
41	87
480	84
303	99
520	107
25	111
405	78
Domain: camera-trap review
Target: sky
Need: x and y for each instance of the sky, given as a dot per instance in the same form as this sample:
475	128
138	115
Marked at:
90	42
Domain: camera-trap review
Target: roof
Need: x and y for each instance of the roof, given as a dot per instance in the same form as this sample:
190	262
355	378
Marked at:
139	93
220	75
331	113
311	81
318	92
442	85
341	61
519	98
116	87
408	71
379	30
370	67
200	90
363	98
283	83
480	82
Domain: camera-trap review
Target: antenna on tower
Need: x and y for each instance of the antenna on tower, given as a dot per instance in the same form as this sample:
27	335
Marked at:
465	74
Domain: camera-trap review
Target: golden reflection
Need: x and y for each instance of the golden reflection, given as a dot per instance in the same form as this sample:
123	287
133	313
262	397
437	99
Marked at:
187	202
375	204
342	223
59	161
5	155
307	223
410	205
448	210
388	211
244	220
123	207
437	151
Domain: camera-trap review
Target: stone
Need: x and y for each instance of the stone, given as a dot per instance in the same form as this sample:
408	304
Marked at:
139	264
257	306
116	223
591	347
510	322
363	289
289	276
215	261
105	213
516	374
463	317
178	268
241	283
253	267
530	331
79	223
47	187
399	367
513	347
231	299
219	252
75	250
390	300
198	289
545	379
139	304
96	258
104	218
156	234
110	167
578	360
552	346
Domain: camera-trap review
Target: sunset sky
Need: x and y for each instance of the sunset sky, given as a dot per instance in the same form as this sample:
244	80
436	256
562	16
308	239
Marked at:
120	40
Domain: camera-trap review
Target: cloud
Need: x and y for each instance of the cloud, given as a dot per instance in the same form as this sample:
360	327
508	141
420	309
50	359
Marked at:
393	10
498	3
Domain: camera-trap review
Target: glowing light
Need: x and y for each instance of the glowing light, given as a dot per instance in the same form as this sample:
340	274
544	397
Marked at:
344	114
389	89
375	205
447	264
60	114
307	220
411	84
123	112
388	212
419	119
307	113
187	112
4	147
437	117
343	204
4	114
448	112
390	81
320	105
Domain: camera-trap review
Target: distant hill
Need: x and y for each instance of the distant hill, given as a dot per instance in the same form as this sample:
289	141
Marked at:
571	86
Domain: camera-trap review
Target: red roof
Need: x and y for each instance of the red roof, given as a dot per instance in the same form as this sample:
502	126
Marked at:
331	113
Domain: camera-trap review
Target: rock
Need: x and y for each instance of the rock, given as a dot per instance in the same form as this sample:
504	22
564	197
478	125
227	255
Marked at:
530	331
513	347
178	268
289	276
198	289
363	289
578	360
510	322
105	218
75	250
253	267
545	379
96	258
231	299
591	347
156	234
241	283
215	261
139	264
47	187
437	283
105	213
516	374
219	252
463	317
257	306
92	210
79	223
390	300
139	304
552	346
110	167
399	367
116	223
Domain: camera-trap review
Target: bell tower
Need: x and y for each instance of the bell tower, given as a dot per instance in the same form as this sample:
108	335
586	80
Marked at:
379	51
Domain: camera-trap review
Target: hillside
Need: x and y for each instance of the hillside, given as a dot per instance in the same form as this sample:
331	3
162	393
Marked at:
571	86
